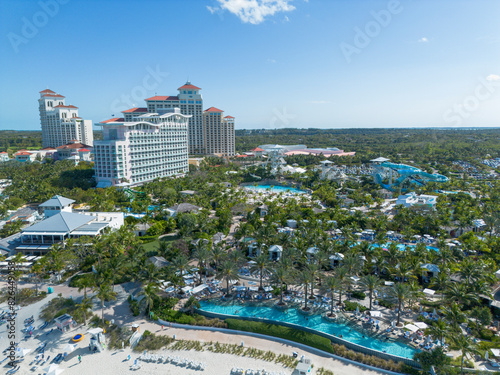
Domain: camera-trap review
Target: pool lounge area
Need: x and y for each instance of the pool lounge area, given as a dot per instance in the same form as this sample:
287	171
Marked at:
314	322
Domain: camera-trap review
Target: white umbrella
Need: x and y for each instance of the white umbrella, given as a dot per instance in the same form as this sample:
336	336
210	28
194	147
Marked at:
69	348
434	312
21	352
421	325
51	368
357	309
487	355
411	327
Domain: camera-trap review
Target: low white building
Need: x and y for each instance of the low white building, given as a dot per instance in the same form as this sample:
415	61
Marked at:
61	223
412	199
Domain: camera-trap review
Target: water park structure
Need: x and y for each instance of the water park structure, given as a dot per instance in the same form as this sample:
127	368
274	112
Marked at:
399	176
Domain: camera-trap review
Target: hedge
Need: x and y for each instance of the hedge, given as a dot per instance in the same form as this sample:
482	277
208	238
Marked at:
291	334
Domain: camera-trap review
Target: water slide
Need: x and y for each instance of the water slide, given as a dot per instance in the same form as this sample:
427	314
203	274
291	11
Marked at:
405	172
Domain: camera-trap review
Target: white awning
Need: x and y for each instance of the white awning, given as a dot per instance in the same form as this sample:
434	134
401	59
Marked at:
421	325
199	288
495	352
411	327
375	313
388	283
429	292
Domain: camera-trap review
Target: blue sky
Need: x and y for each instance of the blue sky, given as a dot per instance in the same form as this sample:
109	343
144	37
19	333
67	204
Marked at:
269	63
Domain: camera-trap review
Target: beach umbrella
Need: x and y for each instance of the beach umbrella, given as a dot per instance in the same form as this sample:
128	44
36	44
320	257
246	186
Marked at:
52	368
357	309
69	348
21	352
393	323
487	355
434	312
421	308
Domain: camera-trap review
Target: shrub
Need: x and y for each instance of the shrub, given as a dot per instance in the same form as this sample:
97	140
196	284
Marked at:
358	295
385	303
486	334
150	341
351	306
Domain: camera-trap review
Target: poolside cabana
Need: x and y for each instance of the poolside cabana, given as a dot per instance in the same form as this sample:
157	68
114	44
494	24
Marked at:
275	252
429	292
411	327
429	271
336	259
199	288
311	252
420	325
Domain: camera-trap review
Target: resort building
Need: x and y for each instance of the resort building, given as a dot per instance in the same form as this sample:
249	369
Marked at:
190	103
75	151
412	199
4	156
61	223
34	155
207	135
60	122
218	133
141	148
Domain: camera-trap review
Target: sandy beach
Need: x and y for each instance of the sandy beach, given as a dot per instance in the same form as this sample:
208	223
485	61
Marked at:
115	361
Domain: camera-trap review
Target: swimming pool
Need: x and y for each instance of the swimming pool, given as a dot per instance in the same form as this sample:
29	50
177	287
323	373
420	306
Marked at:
276	189
315	322
402	247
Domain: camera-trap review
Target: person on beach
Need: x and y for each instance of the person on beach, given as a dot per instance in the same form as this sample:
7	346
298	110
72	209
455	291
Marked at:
79	359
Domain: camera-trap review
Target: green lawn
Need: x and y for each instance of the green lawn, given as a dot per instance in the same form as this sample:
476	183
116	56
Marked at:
150	246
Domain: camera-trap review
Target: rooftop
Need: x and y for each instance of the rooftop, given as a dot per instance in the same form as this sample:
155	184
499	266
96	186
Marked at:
136	109
62	222
160	97
213	109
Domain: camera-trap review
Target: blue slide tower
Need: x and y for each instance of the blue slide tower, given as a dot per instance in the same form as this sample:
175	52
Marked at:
398	174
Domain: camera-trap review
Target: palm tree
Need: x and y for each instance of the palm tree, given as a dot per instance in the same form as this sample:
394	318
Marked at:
85	306
38	269
84	282
344	281
218	253
202	255
439	329
304	279
457	292
399	293
329	286
454	315
228	271
281	275
370	283
180	264
466	345
149	291
262	265
104	291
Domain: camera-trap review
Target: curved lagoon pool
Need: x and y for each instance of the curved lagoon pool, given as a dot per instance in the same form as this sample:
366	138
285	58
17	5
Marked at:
315	322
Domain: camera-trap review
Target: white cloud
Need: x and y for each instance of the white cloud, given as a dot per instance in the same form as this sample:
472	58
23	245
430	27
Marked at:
286	19
493	77
423	40
211	10
254	11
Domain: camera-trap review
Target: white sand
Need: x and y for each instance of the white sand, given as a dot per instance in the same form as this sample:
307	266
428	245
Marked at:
113	362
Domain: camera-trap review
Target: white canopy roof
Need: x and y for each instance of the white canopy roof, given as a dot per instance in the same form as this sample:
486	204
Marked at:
375	313
429	292
199	288
495	352
411	327
421	325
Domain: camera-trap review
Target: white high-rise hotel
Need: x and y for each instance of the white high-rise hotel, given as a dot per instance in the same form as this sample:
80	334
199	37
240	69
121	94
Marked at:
61	123
153	142
141	147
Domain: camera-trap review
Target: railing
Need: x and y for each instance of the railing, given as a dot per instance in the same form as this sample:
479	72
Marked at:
333	339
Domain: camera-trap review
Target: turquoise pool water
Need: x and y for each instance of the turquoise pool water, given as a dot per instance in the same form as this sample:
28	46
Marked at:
405	247
276	189
315	322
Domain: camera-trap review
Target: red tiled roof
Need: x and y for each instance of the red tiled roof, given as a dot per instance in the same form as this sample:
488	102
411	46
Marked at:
3	152
54	95
114	119
257	149
213	109
65	106
47	90
241	156
22	153
158	97
192	87
48	148
84	150
72	146
228	117
136	109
